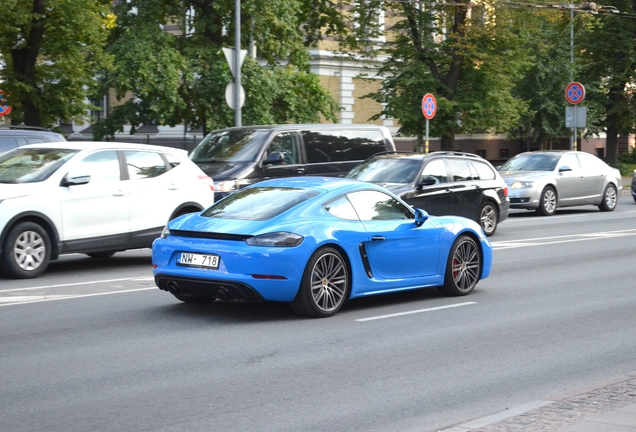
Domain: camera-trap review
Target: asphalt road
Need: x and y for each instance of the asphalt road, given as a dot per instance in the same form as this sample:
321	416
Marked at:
92	345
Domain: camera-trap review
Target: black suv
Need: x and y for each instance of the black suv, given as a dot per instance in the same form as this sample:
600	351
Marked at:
17	136
442	183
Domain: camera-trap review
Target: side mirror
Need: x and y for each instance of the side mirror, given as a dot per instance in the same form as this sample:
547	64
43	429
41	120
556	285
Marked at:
565	168
74	179
420	217
274	158
427	181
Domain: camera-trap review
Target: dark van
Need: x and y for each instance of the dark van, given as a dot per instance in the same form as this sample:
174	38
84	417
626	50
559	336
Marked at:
237	157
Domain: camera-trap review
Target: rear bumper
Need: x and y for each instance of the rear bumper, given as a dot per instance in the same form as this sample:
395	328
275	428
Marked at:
206	288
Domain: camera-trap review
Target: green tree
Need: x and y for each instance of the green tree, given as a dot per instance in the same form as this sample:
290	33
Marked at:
180	77
469	61
51	51
609	72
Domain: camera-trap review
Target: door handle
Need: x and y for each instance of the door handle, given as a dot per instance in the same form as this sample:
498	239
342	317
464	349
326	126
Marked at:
300	170
118	192
377	238
173	186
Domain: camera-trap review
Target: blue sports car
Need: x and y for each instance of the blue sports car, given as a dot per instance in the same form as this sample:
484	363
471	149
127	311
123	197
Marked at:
315	243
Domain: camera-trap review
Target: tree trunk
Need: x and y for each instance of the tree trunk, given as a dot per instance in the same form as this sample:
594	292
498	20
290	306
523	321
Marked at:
448	142
24	60
611	142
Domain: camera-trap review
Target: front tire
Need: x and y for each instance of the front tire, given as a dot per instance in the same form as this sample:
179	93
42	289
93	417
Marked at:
548	202
463	267
325	285
26	251
610	198
488	218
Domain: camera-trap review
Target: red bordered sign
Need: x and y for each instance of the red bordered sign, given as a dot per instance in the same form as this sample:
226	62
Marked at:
575	93
5	108
429	106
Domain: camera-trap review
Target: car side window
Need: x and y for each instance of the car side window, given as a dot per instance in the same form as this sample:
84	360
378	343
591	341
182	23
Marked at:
341	208
363	144
286	143
591	163
571	161
460	169
375	205
322	146
172	160
144	164
437	169
484	172
102	166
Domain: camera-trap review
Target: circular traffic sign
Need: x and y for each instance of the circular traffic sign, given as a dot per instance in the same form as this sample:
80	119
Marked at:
575	93
429	106
5	108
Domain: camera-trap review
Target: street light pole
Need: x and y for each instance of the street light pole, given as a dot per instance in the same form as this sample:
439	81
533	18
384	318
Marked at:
237	63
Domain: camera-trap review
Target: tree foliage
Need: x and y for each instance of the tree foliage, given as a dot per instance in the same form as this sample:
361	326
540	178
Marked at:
180	77
51	50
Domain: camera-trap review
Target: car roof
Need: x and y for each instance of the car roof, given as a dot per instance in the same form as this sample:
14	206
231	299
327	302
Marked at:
91	145
31	131
318	126
324	184
423	156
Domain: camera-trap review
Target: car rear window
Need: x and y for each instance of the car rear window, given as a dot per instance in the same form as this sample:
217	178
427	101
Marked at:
258	203
387	170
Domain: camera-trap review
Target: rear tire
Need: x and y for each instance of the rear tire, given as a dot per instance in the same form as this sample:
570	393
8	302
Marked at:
610	198
325	285
26	251
463	268
548	202
488	218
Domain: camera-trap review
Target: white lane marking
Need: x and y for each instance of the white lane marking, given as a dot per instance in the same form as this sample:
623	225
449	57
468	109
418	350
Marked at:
72	296
393	315
21	299
543	218
540	241
138	278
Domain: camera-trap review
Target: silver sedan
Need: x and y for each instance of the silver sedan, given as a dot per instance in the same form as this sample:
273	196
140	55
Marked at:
546	180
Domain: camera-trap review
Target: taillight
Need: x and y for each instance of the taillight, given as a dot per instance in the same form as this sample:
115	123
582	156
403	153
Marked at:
208	181
506	191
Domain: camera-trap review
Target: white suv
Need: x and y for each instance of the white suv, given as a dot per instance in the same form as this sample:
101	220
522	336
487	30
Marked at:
93	198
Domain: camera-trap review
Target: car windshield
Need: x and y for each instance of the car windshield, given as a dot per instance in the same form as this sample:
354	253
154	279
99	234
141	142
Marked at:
240	145
32	165
258	203
531	162
387	170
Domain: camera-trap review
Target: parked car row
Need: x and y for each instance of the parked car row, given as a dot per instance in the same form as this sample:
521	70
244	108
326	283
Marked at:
287	227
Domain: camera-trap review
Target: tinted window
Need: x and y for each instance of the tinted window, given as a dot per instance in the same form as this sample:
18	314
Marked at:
484	171
102	167
31	165
7	143
34	140
375	205
437	169
258	203
238	145
460	170
341	208
285	143
342	145
143	164
387	170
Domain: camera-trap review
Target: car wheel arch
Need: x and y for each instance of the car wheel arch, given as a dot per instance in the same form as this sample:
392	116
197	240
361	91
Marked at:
39	219
185	208
347	259
476	239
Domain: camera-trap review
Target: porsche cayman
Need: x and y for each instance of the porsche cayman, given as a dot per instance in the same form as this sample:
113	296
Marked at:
315	243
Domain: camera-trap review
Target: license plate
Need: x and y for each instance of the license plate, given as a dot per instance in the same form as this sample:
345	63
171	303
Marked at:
199	260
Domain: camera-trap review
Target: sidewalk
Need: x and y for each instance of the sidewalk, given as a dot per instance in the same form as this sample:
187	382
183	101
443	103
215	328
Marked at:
611	408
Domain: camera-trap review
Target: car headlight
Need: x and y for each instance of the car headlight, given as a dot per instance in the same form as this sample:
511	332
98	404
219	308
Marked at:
166	232
226	186
278	239
521	185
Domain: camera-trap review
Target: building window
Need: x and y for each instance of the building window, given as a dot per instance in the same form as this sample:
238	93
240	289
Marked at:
481	153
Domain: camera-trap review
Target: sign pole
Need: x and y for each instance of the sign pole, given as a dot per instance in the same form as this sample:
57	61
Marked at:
426	147
576	136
